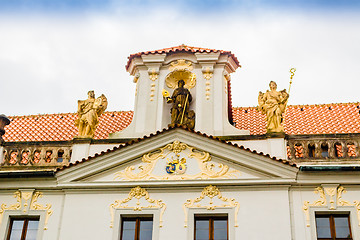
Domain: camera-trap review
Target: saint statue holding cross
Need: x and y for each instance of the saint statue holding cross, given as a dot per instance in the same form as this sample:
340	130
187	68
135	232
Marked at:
181	99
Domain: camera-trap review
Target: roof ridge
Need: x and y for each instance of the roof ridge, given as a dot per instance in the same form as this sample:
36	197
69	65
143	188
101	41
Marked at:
57	114
180	48
122	111
306	105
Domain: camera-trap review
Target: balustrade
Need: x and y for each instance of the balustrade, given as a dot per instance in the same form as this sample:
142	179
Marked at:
46	156
323	149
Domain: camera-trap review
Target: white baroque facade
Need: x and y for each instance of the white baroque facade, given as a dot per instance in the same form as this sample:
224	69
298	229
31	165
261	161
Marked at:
176	177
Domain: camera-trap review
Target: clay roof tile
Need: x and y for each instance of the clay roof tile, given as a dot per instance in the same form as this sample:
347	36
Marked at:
316	119
181	48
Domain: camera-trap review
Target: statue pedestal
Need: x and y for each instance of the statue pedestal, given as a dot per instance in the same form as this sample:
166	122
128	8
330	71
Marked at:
277	145
80	149
275	135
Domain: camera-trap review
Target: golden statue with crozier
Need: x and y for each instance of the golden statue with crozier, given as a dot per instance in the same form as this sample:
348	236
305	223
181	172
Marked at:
273	105
89	111
180	110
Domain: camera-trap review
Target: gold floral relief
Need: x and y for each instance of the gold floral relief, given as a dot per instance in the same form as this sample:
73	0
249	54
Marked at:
207	168
180	65
22	203
211	192
332	192
207	74
138	193
15	206
153	75
36	206
320	202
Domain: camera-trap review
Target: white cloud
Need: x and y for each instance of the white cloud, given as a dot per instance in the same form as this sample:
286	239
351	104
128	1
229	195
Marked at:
48	63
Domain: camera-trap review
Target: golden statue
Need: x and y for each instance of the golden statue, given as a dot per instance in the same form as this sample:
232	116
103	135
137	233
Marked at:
181	99
88	112
273	104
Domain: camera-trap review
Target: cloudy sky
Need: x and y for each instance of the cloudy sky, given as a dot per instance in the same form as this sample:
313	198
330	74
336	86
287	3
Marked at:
53	52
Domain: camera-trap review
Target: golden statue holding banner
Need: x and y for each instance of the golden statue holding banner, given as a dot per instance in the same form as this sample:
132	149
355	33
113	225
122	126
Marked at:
273	104
181	99
88	112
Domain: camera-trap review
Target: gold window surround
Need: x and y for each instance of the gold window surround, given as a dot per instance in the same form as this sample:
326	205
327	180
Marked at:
211	192
23	197
334	194
138	193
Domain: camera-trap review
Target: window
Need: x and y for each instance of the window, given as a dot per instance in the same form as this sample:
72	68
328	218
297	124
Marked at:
333	226
311	150
211	228
23	229
136	228
60	157
324	150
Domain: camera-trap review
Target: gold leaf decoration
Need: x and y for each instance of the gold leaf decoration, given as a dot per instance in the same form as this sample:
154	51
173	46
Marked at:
180	70
208	169
332	205
15	206
211	192
180	64
138	193
35	206
22	204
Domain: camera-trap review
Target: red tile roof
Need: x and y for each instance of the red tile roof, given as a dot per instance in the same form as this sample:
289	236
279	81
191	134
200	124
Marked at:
305	119
299	119
181	48
61	127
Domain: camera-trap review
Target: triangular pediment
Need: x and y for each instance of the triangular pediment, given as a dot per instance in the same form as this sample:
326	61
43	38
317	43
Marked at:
177	155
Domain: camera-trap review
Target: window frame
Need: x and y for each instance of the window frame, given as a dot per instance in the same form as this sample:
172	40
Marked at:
350	210
211	219
130	213
330	216
220	211
138	219
25	226
17	214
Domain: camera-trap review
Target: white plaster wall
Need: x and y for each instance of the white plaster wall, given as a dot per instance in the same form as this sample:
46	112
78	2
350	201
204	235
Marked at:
98	148
299	224
86	216
275	147
265	213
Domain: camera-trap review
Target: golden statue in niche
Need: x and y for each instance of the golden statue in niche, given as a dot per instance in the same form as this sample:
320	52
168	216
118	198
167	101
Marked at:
273	104
88	112
180	112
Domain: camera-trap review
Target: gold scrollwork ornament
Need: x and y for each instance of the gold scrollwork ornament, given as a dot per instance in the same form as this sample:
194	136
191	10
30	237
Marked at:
22	203
208	169
322	202
138	193
180	70
211	192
